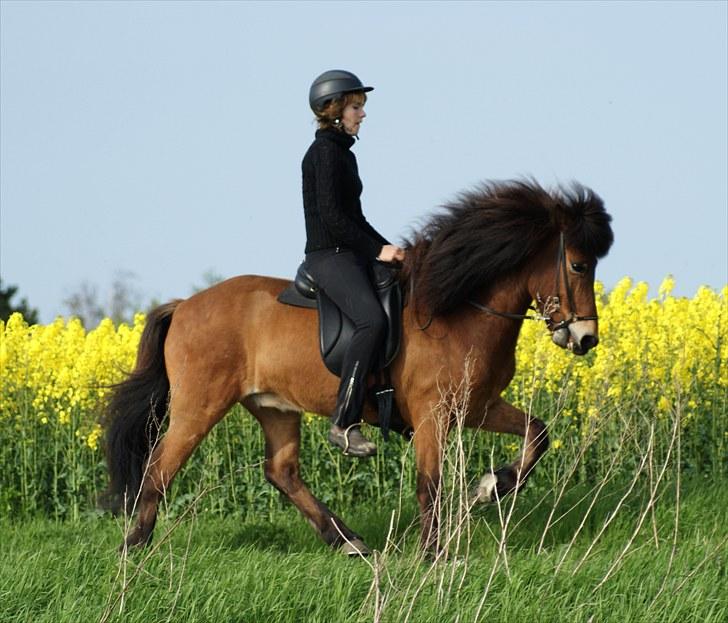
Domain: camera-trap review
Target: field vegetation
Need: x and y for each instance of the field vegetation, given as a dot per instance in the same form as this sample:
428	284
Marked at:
275	569
625	518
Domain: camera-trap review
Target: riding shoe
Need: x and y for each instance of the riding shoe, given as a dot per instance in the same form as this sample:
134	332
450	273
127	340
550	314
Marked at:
351	441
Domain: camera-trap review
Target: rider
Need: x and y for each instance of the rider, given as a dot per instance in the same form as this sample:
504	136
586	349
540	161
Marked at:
340	243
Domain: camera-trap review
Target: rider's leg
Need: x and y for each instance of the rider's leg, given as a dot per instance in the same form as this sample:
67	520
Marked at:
345	280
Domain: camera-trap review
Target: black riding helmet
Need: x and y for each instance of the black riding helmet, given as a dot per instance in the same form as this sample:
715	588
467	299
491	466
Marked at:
332	84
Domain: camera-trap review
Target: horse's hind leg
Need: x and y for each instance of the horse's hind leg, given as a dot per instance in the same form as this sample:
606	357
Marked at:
282	431
189	422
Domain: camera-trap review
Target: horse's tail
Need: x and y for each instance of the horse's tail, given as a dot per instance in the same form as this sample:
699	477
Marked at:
135	413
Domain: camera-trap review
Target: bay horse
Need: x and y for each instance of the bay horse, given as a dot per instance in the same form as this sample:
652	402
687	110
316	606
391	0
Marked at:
470	275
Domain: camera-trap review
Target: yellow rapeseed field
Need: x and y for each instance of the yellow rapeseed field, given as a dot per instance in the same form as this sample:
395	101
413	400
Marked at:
660	356
672	352
57	370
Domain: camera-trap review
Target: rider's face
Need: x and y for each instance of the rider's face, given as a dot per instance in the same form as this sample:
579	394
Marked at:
352	116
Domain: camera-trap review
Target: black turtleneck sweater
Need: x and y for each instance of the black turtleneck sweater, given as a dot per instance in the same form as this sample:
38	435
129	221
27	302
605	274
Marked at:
331	197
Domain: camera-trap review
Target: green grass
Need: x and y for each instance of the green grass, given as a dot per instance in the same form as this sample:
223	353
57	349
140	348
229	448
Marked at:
275	569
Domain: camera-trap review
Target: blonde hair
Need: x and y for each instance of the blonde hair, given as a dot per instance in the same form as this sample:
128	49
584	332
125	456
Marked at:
331	113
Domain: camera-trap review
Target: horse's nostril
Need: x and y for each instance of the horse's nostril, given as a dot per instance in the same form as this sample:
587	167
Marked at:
588	342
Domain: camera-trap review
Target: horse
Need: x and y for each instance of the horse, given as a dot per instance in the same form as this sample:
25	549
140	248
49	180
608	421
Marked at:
470	276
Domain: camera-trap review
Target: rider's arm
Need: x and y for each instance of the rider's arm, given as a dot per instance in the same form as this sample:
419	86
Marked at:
373	232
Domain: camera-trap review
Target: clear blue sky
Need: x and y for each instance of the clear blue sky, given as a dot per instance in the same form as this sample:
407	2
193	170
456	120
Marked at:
165	138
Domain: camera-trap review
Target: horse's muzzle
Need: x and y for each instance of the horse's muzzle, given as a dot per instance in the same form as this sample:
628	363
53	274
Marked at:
579	337
561	337
584	336
583	346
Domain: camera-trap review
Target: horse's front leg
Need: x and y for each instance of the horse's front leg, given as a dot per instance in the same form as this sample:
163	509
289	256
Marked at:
429	441
502	417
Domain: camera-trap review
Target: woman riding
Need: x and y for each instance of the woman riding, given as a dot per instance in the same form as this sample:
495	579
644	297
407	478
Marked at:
341	244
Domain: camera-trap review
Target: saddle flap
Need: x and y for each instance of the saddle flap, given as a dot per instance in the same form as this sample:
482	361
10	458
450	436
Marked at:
333	329
383	274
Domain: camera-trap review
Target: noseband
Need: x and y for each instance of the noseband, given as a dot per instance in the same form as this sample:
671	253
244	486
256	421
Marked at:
551	305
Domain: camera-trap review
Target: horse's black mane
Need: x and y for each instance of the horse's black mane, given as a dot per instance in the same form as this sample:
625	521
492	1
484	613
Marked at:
491	231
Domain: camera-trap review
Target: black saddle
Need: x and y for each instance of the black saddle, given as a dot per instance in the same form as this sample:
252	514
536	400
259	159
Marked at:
335	328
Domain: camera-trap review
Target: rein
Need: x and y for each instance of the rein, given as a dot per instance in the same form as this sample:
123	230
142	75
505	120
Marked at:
495	312
551	305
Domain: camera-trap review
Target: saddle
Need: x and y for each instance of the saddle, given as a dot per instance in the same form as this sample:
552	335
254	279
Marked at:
336	330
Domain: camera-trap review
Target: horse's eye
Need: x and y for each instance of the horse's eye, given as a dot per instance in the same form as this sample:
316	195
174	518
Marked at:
578	267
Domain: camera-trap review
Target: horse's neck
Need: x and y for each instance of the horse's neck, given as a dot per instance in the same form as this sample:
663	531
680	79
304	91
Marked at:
508	296
489	339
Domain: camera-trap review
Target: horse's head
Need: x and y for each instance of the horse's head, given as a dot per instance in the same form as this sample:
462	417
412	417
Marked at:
563	289
563	282
513	242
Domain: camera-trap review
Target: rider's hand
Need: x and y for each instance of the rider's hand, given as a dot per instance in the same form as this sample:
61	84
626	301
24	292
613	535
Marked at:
391	253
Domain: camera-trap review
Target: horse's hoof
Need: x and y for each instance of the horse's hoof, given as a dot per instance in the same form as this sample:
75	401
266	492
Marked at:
127	547
485	491
432	555
494	486
355	547
444	557
506	483
135	540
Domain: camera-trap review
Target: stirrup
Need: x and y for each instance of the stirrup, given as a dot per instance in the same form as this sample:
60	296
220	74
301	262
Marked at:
368	450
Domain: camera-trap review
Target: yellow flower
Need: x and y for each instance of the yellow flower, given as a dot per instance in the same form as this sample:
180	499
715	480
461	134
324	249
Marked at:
666	287
654	355
92	441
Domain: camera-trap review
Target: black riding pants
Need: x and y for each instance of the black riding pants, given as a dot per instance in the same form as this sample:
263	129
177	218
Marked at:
344	277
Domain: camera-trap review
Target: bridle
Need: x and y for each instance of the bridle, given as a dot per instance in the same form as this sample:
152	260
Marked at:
551	305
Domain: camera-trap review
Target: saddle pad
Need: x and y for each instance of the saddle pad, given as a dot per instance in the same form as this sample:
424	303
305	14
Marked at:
291	296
